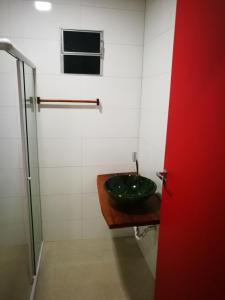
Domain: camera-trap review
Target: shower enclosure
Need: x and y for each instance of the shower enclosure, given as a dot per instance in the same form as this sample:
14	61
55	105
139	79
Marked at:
20	206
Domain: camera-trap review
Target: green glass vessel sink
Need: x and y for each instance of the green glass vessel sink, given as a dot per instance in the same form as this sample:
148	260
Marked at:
129	190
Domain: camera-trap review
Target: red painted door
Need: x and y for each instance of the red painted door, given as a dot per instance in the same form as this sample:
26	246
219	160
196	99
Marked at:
191	254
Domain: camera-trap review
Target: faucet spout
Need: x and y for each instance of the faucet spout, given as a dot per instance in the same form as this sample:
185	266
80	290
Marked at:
137	167
134	157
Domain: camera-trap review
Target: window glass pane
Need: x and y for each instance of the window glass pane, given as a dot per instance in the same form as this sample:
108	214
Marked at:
75	41
76	64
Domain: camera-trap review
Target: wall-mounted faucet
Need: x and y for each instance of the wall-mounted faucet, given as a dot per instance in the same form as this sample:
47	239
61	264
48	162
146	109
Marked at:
134	158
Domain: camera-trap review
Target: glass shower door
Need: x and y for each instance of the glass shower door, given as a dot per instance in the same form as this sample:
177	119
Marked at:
15	259
32	159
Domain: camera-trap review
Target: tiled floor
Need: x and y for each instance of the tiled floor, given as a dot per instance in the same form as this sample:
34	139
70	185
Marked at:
98	269
14	280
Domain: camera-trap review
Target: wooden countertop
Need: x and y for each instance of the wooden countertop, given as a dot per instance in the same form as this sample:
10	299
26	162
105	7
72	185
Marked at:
148	214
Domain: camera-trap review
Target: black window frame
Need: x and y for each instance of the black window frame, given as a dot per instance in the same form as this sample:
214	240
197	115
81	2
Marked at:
99	54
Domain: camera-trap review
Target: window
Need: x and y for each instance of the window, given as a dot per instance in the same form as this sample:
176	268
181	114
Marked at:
82	52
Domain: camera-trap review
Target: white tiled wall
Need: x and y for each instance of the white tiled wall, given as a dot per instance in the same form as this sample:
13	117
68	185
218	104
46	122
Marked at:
158	47
77	144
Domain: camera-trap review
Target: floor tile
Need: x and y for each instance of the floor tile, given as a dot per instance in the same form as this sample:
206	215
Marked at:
94	269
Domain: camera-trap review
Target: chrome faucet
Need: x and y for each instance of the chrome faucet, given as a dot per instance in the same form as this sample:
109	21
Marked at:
137	167
134	157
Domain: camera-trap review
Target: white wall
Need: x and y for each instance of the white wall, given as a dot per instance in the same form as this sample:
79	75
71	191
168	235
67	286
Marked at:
77	144
157	61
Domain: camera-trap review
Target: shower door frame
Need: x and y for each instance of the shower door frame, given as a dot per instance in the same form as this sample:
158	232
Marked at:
22	60
33	264
25	159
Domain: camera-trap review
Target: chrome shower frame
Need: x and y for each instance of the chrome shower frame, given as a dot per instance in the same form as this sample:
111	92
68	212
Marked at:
7	46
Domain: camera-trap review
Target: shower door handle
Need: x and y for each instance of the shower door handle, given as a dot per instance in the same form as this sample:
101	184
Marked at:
28	178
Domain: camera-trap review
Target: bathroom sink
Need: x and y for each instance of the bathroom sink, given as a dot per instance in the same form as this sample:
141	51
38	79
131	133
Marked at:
129	190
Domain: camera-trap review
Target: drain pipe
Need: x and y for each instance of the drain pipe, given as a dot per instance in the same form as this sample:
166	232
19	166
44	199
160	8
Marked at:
140	235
